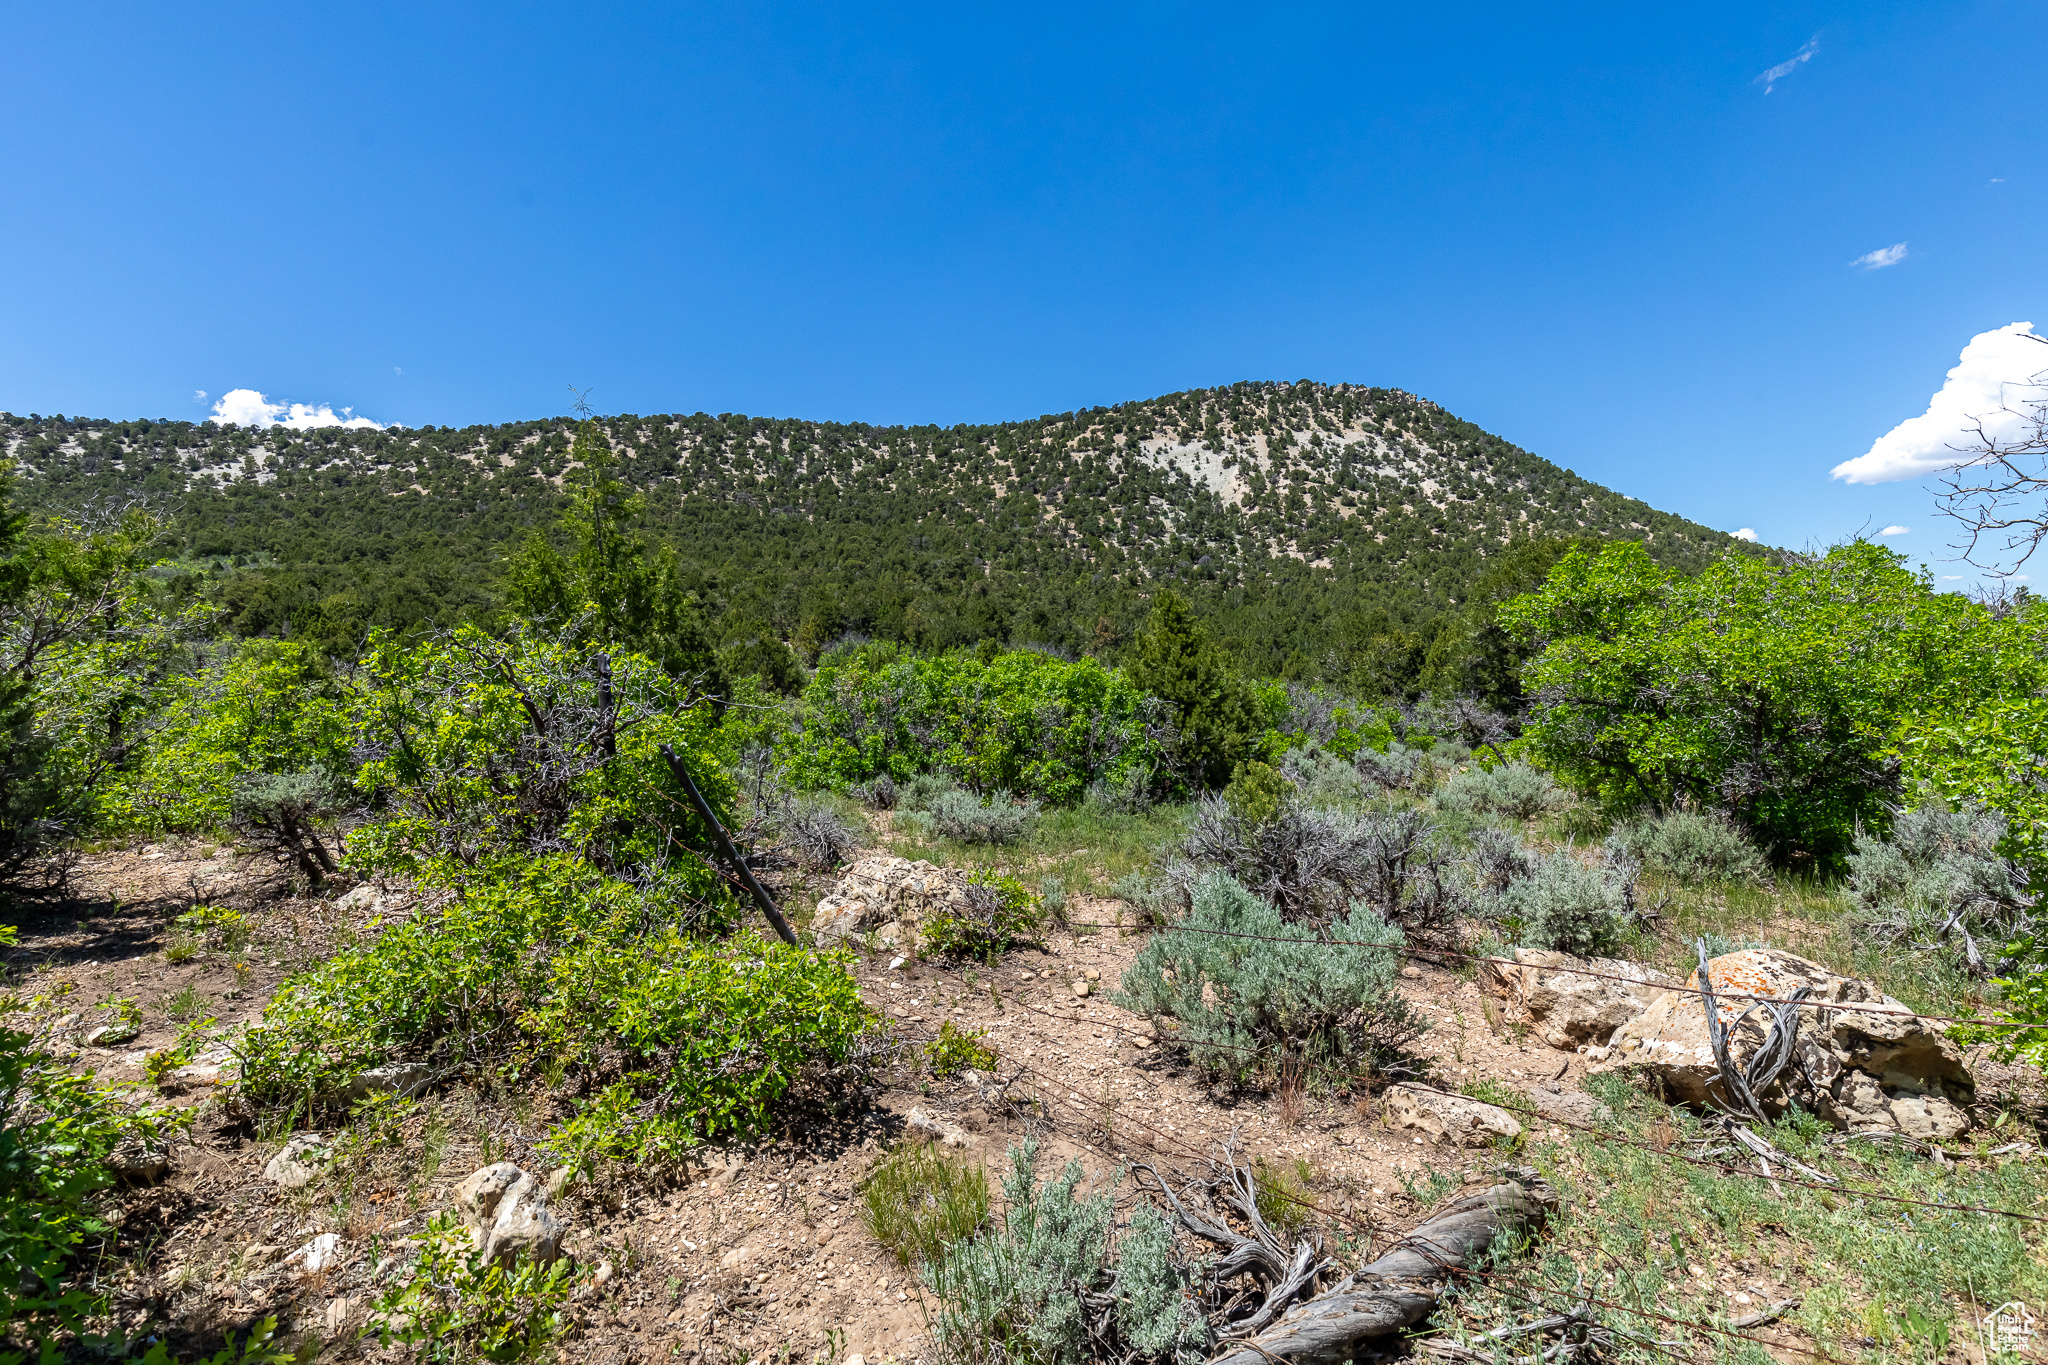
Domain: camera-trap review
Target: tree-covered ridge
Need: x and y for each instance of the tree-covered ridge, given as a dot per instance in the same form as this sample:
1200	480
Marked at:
1278	507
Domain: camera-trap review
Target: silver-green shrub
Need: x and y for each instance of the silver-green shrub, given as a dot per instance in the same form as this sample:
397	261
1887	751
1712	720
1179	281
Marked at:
1566	906
1249	991
1693	847
1513	791
1398	768
962	816
1015	1293
1938	882
1313	865
1321	778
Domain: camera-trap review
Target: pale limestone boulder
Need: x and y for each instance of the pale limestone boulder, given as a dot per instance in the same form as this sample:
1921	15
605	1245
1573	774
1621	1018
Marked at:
1875	1069
887	891
507	1213
1457	1118
1572	1002
404	1079
299	1162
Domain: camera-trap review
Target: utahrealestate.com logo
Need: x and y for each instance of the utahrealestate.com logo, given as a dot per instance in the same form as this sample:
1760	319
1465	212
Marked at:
2010	1327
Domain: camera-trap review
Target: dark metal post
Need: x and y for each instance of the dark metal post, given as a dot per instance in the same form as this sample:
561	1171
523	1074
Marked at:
727	851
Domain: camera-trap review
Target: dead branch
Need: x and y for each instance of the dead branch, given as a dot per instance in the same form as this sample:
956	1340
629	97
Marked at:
1295	1323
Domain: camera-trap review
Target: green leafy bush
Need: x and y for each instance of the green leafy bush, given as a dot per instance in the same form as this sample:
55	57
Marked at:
451	984
1022	722
488	750
997	913
918	1201
1797	695
707	1036
1014	1292
1694	847
956	1049
57	1131
253	709
1249	991
455	1306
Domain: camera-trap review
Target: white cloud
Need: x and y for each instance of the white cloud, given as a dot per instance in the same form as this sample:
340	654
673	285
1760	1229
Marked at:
248	408
1882	257
199	395
1982	386
1746	533
1895	530
1951	578
1789	65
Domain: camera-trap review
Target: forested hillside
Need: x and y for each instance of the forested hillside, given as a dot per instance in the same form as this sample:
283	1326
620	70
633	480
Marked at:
1325	531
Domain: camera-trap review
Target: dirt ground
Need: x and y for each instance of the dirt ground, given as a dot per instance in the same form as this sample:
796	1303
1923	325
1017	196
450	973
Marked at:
757	1255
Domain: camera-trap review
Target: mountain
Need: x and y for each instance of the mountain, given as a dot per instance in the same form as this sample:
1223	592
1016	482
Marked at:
1303	519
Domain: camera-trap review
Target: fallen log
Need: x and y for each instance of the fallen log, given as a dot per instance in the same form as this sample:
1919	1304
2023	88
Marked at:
1393	1293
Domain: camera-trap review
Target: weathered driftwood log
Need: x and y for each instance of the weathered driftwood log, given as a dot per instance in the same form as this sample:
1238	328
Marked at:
1396	1291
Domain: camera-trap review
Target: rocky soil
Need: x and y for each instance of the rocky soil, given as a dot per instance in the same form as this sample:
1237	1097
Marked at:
756	1253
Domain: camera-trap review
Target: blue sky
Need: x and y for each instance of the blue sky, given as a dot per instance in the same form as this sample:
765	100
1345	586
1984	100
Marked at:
1596	232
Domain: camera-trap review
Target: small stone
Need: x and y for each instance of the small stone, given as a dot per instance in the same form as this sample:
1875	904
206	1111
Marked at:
112	1035
1026	976
1080	988
1141	1041
858	1359
895	964
322	1253
404	1079
1092	974
298	1162
824	1236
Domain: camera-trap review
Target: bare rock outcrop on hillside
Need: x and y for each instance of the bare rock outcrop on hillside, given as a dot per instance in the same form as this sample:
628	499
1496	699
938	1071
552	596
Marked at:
1881	1068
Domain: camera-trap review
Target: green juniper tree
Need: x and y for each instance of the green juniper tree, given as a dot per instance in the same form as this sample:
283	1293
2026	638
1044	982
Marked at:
1176	661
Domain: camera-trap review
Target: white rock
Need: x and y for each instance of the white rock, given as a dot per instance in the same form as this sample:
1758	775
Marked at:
1459	1118
322	1253
366	898
893	893
393	1078
298	1162
507	1213
1585	1003
1883	1068
947	1134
